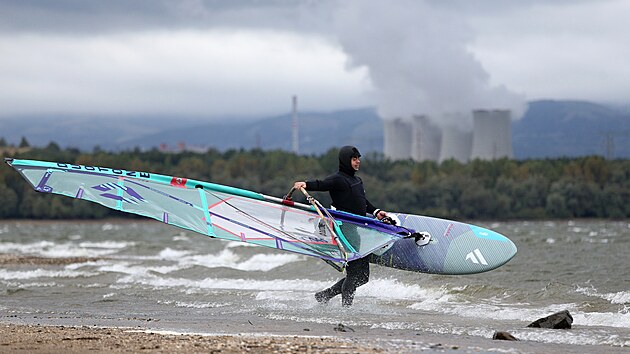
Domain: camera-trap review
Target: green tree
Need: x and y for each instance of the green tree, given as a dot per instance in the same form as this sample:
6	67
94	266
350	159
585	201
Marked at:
547	188
9	202
52	147
24	143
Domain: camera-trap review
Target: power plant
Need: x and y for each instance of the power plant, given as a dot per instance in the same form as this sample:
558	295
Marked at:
421	139
492	135
456	144
426	139
397	139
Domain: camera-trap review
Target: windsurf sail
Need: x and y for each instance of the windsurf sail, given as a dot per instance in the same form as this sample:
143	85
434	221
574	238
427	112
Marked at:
216	210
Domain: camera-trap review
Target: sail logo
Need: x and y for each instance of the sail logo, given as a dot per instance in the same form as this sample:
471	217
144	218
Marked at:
179	182
476	257
106	170
120	193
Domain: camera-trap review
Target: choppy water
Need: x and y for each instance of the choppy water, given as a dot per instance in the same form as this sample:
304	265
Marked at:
150	270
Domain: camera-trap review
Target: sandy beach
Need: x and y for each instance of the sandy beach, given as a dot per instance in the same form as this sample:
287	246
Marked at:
47	339
19	338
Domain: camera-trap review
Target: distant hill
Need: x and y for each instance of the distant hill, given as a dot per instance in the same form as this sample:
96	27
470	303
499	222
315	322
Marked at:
571	128
318	132
84	132
548	129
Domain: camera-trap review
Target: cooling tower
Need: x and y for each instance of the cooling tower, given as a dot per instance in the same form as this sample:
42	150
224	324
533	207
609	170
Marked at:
397	139
456	144
492	134
426	138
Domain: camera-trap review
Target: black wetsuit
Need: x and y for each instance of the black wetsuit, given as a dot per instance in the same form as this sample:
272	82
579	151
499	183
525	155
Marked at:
347	194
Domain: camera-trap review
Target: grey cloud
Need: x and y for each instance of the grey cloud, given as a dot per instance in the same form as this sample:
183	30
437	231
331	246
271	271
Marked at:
97	16
417	53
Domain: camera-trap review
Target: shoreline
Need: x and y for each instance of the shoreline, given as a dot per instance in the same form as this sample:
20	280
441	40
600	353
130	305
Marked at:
271	337
17	338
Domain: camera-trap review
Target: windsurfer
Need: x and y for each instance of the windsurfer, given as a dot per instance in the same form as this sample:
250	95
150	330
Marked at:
347	194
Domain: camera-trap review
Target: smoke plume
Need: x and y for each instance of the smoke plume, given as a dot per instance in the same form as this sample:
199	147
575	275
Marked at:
417	57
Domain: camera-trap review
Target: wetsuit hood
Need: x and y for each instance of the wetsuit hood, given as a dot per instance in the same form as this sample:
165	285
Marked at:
346	154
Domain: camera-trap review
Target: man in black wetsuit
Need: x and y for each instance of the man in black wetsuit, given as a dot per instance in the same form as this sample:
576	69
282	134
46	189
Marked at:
347	194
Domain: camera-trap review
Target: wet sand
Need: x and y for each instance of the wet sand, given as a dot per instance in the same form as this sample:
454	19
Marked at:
21	338
10	259
47	339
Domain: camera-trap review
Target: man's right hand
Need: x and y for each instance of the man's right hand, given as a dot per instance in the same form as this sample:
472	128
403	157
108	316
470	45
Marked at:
299	185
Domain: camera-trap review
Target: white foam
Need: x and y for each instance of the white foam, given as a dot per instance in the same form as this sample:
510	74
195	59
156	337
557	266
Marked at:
99	263
621	297
570	337
181	237
198	305
594	240
228	259
93	285
42	273
445	305
510	312
449	304
395	290
107	244
136	269
66	249
267	262
171	254
225	258
610	319
110	227
31	285
234	244
12	247
575	337
220	283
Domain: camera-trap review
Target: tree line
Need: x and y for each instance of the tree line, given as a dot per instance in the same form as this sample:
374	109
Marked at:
587	187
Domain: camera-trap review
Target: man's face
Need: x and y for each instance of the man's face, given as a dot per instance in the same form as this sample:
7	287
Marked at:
355	163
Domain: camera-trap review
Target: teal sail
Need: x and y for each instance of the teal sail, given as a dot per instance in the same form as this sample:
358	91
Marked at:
212	209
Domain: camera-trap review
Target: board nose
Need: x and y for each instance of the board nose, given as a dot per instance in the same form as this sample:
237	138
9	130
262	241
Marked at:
487	234
478	251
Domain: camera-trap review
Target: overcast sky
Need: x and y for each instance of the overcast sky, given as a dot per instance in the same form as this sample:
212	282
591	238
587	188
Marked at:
216	58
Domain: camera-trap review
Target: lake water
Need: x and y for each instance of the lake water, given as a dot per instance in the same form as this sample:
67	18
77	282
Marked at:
179	280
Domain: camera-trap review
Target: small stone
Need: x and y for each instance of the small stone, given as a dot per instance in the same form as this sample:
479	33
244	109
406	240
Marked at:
503	336
342	328
559	320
